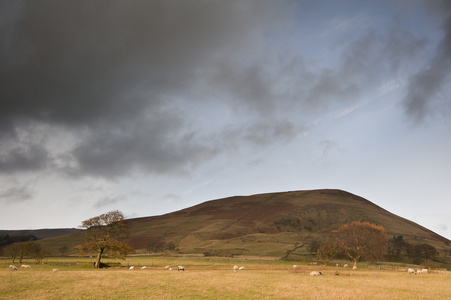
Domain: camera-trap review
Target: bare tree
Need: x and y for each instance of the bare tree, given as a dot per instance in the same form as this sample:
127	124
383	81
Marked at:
106	234
327	251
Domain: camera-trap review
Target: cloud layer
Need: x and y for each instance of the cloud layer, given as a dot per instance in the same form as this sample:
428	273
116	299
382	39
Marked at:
105	89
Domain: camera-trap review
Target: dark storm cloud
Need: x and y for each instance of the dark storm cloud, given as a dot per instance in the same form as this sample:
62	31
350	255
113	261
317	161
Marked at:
120	78
107	69
156	146
425	86
24	158
86	61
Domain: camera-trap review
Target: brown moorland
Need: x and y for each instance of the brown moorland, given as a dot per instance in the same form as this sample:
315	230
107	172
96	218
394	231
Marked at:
264	224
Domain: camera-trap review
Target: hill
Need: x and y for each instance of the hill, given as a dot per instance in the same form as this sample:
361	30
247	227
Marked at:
40	233
266	224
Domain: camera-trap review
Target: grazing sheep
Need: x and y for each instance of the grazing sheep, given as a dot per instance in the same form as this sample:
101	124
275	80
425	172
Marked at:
143	268
354	268
171	269
132	268
295	266
13	268
241	268
425	271
25	266
411	271
181	268
167	267
235	268
345	266
55	270
418	271
315	273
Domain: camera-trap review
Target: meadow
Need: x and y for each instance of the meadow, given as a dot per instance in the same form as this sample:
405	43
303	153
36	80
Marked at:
213	278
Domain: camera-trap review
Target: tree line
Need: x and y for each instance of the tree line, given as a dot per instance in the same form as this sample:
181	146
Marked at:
363	240
107	234
26	249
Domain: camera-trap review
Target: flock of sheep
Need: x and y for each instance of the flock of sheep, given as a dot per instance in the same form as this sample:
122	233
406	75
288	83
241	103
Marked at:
14	268
180	268
236	268
412	271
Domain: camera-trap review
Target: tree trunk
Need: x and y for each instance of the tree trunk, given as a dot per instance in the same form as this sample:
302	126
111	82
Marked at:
99	257
356	259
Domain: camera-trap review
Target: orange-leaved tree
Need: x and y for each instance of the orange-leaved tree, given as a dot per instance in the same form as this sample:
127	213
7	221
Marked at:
106	234
362	239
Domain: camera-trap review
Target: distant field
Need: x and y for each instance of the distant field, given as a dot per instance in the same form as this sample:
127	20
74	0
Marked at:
213	278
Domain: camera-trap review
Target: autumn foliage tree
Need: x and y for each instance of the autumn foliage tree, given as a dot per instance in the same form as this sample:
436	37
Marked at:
362	239
105	234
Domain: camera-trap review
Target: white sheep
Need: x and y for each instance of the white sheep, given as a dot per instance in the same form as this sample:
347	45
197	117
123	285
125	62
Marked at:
235	268
295	266
167	267
418	271
143	268
241	268
13	268
132	268
25	266
411	271
315	273
354	268
55	270
425	271
181	268
345	266
171	269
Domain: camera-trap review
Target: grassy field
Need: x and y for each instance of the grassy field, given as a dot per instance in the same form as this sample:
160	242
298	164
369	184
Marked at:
213	278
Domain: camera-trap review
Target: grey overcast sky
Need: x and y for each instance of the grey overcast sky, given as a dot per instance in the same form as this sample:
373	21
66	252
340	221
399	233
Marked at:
153	106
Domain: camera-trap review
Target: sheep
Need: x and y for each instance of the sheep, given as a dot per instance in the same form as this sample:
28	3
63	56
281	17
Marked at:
418	271
25	266
132	268
181	268
235	268
13	268
241	268
354	268
167	267
171	269
315	273
345	266
411	271
425	271
143	268
295	266
55	270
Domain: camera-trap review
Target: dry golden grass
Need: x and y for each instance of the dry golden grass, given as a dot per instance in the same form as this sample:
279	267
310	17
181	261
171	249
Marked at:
214	279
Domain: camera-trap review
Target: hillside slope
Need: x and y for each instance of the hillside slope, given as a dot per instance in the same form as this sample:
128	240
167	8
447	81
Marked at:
264	224
40	233
270	224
